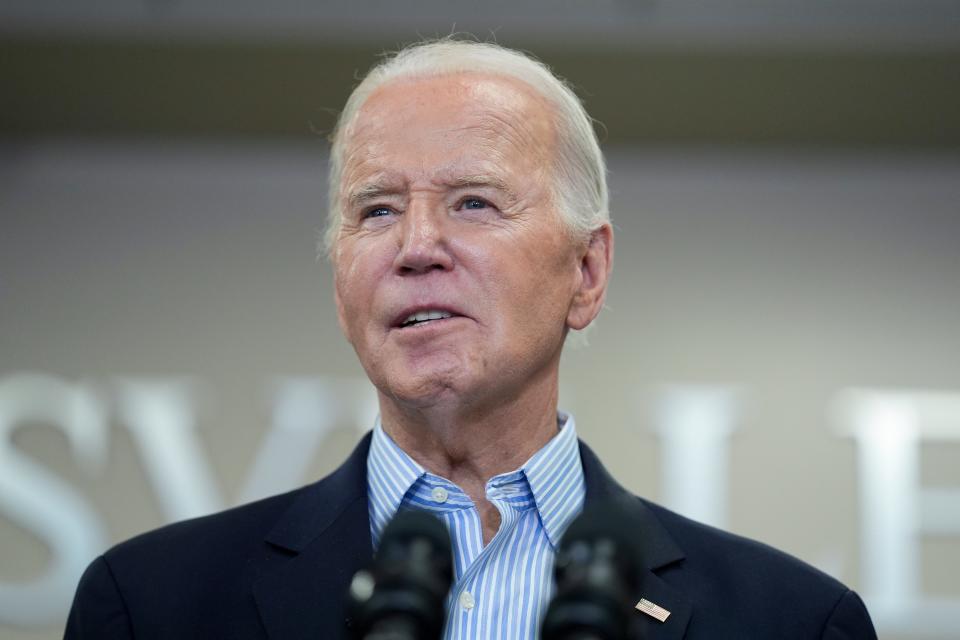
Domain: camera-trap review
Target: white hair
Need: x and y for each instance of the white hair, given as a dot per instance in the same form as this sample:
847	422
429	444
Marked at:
579	172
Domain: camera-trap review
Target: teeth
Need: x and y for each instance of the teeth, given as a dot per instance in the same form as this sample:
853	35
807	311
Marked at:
423	316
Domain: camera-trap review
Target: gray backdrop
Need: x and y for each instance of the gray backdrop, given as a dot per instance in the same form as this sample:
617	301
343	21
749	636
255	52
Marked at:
169	346
779	353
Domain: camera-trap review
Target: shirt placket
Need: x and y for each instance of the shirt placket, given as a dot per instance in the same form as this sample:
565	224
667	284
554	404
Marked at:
465	596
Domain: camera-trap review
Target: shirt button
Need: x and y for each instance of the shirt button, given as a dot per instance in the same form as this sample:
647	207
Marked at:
440	494
466	600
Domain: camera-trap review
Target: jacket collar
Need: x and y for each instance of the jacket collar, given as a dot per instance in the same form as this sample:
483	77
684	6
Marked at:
324	538
323	503
658	550
312	552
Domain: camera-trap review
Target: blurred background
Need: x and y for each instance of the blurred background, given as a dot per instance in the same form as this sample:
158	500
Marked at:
780	355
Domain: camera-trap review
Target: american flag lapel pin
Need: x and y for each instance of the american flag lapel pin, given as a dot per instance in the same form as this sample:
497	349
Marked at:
653	610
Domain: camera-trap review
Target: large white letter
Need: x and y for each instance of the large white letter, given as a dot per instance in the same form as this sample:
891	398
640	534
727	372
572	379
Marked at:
159	414
40	501
895	511
304	412
694	424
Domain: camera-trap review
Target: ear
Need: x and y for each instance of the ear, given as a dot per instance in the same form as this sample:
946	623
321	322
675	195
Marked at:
596	263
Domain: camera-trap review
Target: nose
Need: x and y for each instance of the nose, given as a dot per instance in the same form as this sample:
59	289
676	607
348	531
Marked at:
423	239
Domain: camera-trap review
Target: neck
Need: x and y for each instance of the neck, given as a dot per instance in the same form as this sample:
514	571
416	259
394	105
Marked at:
448	439
469	444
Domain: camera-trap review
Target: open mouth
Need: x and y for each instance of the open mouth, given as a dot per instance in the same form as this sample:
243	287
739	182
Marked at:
424	317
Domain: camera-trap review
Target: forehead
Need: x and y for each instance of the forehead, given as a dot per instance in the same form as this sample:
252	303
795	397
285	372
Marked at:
463	118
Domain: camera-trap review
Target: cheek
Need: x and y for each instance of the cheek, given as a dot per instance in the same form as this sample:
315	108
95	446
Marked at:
351	294
547	271
531	299
357	270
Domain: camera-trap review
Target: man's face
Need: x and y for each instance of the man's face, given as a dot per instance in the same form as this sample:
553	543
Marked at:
455	278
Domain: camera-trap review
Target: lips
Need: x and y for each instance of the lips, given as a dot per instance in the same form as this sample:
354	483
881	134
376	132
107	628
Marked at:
421	315
425	316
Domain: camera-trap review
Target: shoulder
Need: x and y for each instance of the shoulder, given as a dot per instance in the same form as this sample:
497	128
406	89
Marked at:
736	580
181	565
205	569
232	531
730	556
735	587
239	532
197	568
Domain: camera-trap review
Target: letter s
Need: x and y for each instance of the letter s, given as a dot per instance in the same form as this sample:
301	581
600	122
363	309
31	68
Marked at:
41	502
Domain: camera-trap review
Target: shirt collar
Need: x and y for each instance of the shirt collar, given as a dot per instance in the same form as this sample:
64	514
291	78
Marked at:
390	474
554	474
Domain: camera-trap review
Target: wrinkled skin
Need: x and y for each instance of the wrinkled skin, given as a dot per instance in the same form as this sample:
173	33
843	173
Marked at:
448	205
446	186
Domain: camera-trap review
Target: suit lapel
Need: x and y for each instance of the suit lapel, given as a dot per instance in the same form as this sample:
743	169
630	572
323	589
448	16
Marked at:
324	538
313	552
658	546
660	593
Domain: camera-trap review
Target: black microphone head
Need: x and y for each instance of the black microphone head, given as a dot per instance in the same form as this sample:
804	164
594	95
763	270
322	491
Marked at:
604	519
597	572
410	525
404	592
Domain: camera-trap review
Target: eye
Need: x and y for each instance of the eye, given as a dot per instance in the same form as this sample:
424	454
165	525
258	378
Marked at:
377	212
474	203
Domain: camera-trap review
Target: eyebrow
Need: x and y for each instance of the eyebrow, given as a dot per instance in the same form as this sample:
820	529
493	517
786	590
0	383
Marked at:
484	181
383	188
373	191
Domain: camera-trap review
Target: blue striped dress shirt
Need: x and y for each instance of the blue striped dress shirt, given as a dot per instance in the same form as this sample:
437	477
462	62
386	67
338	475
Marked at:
500	591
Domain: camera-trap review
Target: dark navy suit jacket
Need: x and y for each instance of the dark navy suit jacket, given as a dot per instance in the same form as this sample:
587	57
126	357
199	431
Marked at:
279	569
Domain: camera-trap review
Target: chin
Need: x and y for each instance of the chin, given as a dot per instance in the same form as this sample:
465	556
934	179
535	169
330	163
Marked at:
424	387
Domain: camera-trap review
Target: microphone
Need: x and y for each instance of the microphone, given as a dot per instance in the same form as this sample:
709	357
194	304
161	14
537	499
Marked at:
402	596
597	571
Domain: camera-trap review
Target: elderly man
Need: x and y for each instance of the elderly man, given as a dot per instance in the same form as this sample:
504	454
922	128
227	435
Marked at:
469	234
